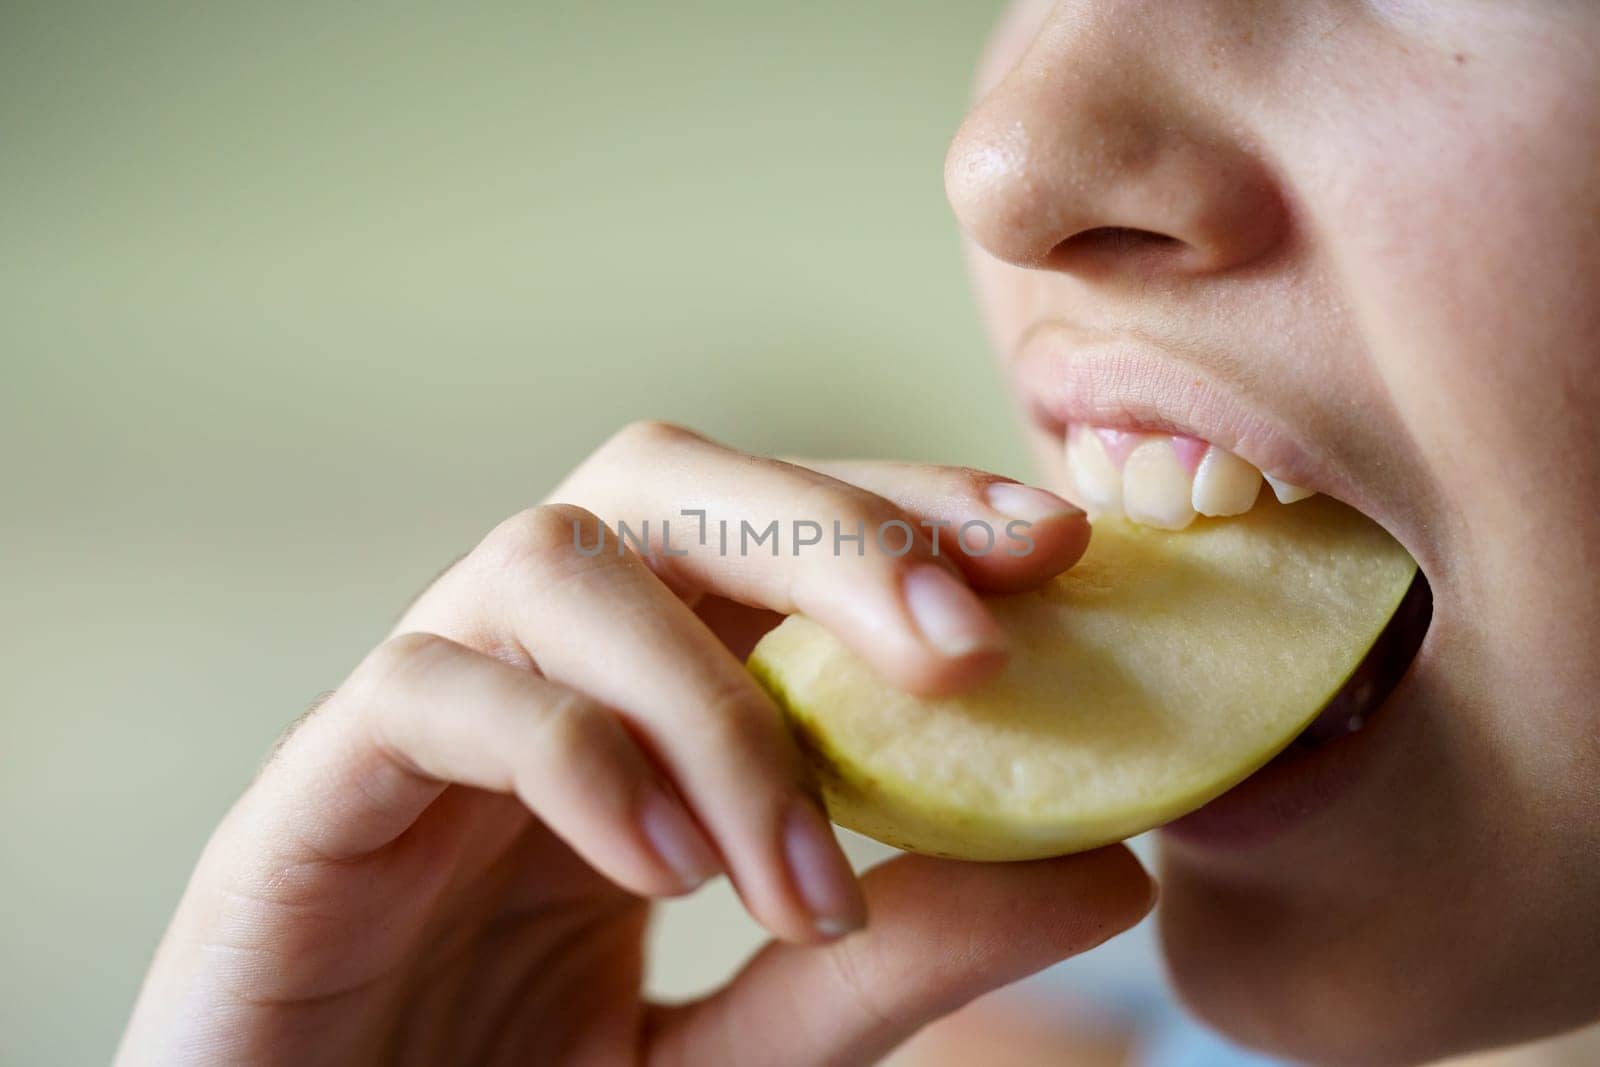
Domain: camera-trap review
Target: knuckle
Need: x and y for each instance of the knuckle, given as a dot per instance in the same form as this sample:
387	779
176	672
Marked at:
624	455
539	534
967	481
647	436
397	664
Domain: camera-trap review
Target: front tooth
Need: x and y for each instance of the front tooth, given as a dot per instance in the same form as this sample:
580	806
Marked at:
1286	492
1156	489
1224	484
1097	479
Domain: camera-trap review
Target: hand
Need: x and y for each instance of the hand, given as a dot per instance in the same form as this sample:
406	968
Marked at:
451	860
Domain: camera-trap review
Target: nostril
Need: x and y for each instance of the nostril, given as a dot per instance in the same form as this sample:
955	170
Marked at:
1106	244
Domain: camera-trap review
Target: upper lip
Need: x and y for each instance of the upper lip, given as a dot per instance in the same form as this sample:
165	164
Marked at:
1068	373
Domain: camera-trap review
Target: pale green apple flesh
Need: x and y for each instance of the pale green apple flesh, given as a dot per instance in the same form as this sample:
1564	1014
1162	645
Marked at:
1148	679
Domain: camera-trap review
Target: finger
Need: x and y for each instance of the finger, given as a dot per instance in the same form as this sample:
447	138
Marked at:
1005	536
422	712
943	933
773	535
606	626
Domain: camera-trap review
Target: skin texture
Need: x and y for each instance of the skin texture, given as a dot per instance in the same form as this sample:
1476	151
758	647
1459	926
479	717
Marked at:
451	859
1379	225
1358	245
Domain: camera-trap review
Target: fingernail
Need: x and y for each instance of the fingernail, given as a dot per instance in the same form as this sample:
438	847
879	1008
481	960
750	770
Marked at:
1028	503
949	614
677	840
821	873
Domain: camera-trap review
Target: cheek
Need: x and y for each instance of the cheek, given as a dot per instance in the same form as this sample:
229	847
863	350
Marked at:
1464	229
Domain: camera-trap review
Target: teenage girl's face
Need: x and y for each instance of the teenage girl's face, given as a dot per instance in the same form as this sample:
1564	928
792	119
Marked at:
1357	244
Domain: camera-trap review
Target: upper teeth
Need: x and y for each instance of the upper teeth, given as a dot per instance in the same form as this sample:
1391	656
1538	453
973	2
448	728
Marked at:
1225	484
1096	480
1156	490
1155	485
1286	492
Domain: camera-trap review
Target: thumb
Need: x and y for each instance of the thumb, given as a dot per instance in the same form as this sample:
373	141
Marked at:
941	934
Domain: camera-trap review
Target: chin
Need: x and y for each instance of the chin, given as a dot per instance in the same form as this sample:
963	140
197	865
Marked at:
1288	977
1377	931
1238	964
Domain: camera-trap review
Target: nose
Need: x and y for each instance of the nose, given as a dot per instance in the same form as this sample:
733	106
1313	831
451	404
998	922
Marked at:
1085	158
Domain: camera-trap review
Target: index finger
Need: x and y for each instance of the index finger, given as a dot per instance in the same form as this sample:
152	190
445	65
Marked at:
789	539
1005	536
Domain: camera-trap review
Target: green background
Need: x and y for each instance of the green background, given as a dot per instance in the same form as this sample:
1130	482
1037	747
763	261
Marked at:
296	300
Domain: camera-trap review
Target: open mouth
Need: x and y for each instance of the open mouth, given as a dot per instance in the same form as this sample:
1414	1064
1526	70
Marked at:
1167	480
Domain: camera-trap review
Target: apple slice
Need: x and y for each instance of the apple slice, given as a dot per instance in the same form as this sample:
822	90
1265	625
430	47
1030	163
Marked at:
1158	672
